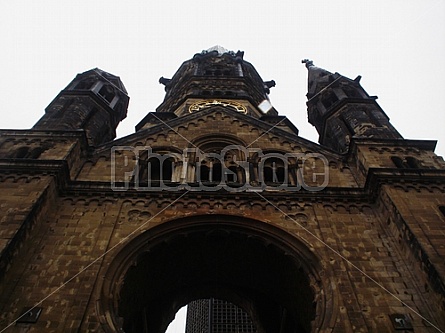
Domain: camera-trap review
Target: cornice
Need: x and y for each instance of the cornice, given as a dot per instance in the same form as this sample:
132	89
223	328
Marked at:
429	145
23	166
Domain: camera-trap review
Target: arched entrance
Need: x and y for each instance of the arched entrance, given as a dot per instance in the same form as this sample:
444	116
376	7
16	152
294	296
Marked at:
269	273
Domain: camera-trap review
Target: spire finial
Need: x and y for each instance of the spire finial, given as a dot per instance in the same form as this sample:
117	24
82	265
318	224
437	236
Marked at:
218	48
309	63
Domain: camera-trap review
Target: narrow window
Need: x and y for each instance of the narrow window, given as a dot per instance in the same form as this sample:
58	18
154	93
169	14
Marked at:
232	176
154	171
274	171
22	152
442	210
216	172
398	162
204	173
268	174
412	162
167	170
107	92
329	99
36	152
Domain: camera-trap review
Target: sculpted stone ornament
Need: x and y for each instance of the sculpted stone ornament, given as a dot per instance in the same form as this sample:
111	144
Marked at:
209	103
309	63
164	81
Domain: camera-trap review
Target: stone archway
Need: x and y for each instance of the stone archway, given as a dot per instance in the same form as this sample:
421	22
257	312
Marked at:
269	273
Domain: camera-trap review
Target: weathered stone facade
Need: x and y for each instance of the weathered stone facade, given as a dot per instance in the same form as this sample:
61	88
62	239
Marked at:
347	236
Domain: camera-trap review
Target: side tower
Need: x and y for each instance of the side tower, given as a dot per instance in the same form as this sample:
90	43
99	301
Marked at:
95	101
340	109
404	177
38	161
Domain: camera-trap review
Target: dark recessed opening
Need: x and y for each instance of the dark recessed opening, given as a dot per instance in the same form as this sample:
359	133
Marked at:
442	210
217	262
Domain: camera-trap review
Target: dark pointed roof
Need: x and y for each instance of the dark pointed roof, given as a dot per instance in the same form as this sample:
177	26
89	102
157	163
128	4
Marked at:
113	79
318	78
104	76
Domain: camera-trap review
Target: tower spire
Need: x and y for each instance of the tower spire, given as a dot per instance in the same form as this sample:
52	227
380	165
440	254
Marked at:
218	48
317	78
340	109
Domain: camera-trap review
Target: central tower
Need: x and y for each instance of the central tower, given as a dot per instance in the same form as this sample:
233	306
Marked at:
214	76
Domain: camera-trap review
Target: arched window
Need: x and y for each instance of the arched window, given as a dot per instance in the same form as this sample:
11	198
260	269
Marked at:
220	160
22	152
153	170
27	152
204	173
36	152
398	162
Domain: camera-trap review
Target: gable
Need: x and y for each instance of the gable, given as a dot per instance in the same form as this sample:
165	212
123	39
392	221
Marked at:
216	138
271	133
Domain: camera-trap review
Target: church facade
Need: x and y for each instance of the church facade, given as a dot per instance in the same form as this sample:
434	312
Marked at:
216	195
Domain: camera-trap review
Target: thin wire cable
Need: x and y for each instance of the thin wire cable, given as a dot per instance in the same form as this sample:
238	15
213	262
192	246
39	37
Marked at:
164	123
265	133
93	262
350	263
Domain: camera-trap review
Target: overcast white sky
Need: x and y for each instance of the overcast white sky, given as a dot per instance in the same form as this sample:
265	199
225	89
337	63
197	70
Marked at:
397	46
